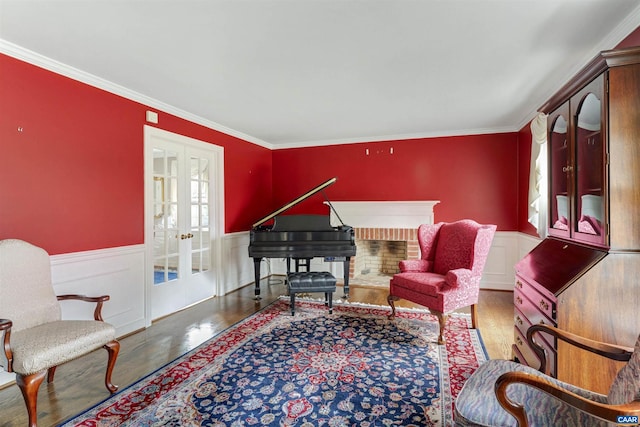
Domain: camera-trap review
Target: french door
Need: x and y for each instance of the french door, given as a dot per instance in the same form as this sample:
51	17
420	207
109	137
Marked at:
182	221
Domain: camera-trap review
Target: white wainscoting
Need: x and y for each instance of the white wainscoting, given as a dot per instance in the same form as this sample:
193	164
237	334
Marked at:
507	249
119	272
237	266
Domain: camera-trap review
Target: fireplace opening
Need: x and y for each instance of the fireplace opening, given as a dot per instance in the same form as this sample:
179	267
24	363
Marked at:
377	261
379	250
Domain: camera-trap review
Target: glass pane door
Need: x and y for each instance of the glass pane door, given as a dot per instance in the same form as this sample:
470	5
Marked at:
559	172
166	255
180	228
199	227
590	167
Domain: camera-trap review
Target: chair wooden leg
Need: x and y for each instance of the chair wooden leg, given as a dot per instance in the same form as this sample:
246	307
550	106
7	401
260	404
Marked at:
29	385
113	348
50	374
474	316
442	321
390	300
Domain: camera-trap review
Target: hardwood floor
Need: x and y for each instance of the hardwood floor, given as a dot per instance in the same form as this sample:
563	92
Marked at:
79	384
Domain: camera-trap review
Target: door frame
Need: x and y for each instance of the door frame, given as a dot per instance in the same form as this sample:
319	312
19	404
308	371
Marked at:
217	212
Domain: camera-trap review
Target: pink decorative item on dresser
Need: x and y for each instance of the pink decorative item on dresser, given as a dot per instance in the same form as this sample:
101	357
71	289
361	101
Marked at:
447	275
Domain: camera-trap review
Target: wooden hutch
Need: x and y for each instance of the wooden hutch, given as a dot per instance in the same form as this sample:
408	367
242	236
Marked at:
585	277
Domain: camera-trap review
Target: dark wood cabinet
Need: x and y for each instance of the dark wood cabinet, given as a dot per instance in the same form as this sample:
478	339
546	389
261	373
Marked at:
542	277
577	172
533	304
585	277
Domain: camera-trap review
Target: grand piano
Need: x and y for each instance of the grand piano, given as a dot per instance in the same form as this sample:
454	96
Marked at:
301	237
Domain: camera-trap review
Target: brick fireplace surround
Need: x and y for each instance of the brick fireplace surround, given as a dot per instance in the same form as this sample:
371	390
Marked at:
384	223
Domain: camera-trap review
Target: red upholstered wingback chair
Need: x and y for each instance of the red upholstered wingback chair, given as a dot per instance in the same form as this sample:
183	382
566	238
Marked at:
447	276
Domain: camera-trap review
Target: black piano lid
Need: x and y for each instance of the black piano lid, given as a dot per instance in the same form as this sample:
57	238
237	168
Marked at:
297	200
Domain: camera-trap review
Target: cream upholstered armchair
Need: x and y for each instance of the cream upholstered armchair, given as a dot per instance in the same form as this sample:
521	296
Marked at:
35	338
506	393
447	276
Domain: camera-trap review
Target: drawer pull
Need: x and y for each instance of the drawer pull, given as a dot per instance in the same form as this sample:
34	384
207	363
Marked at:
544	305
518	299
519	284
519	341
518	320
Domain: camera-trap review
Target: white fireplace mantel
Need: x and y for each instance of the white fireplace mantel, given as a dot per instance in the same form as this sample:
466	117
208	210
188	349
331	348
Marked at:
391	214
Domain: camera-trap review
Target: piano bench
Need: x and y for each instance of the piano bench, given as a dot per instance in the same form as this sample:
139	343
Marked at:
311	281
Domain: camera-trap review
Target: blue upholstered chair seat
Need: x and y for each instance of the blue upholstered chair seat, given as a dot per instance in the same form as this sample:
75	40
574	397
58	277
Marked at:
477	404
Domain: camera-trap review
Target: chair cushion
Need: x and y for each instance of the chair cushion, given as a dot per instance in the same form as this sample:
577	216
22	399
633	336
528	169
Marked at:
51	344
476	404
626	386
424	283
455	246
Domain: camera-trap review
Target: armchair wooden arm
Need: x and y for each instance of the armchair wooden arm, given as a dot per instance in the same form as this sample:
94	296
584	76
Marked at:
5	327
610	351
5	324
97	313
600	410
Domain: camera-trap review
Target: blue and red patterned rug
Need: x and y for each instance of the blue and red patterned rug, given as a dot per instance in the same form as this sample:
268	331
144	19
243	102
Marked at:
350	368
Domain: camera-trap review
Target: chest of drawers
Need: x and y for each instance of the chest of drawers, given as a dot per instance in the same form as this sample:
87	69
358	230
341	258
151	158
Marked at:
533	305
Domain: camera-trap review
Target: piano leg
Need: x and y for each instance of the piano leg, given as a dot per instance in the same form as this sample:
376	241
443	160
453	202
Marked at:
346	264
256	269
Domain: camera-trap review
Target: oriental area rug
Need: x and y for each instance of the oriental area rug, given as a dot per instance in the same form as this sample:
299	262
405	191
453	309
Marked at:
353	367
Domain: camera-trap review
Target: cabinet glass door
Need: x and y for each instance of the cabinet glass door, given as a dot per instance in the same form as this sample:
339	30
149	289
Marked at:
559	172
590	167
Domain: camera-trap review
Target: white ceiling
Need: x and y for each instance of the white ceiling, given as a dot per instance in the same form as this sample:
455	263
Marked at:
295	73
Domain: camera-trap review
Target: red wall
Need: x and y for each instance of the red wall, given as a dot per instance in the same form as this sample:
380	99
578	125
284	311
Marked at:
72	163
472	176
72	167
632	39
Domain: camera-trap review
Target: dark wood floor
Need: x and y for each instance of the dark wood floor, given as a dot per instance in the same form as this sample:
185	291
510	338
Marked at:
79	384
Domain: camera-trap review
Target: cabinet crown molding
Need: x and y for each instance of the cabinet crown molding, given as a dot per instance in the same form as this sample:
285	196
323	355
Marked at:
600	63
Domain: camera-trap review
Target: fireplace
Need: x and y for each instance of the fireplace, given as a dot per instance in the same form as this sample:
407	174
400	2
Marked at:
385	233
379	250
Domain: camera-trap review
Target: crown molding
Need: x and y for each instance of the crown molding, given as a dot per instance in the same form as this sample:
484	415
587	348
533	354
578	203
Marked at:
398	137
57	67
